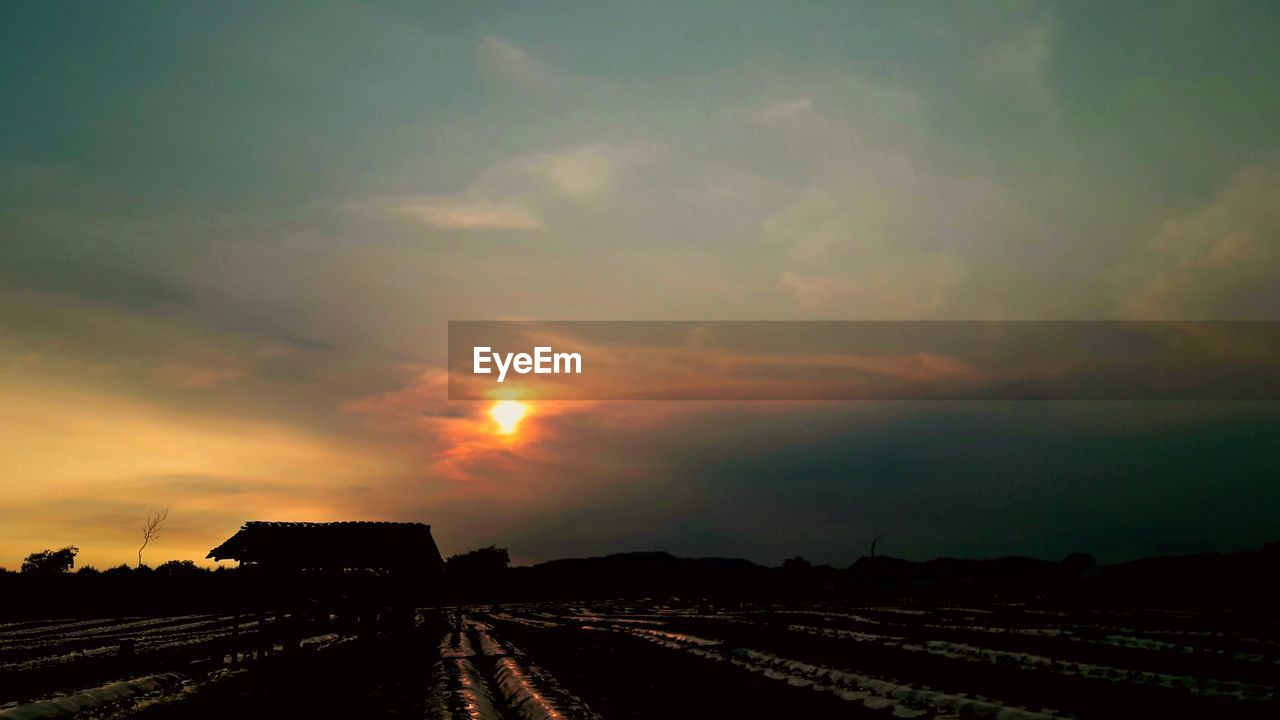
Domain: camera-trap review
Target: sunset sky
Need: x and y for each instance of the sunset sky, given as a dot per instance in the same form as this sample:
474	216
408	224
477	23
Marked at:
232	236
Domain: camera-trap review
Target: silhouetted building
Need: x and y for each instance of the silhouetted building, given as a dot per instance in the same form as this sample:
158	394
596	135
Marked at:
406	548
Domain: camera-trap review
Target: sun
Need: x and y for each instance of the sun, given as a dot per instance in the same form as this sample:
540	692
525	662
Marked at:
508	414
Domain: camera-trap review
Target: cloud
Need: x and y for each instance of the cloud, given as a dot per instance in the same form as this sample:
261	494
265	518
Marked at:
782	113
520	192
915	288
1220	261
456	440
884	238
844	110
584	172
423	397
881	222
201	368
510	62
1014	69
461	214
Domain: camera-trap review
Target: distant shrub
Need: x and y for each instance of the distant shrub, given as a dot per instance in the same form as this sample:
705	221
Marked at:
487	558
1078	563
179	568
479	569
50	562
796	564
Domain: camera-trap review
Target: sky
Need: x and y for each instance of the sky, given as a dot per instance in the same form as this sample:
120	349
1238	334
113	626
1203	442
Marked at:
232	236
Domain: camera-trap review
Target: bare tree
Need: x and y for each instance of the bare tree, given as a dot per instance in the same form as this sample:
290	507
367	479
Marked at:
151	529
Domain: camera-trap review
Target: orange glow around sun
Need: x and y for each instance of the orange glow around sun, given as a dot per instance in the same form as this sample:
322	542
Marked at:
508	414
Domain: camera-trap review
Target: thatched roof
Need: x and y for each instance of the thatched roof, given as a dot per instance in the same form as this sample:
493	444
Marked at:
333	546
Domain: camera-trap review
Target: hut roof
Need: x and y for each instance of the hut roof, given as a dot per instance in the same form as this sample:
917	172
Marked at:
336	545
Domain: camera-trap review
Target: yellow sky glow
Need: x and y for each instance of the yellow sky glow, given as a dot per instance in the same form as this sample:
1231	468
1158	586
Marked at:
84	469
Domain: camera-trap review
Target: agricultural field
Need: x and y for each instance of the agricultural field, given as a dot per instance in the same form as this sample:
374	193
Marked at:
654	659
61	668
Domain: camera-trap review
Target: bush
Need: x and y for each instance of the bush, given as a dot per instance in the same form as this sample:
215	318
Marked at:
50	562
479	571
179	568
485	561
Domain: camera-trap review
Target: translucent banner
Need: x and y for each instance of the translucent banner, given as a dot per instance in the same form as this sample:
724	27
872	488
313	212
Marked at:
997	360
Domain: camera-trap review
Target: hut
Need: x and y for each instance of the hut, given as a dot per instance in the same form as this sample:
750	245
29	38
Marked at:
368	575
335	547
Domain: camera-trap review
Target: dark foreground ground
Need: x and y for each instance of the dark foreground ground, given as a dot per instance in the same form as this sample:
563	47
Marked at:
660	659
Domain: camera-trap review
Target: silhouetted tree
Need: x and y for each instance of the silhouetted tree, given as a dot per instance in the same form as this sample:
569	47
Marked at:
179	568
478	570
796	564
151	530
874	540
51	562
120	570
1078	563
486	560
